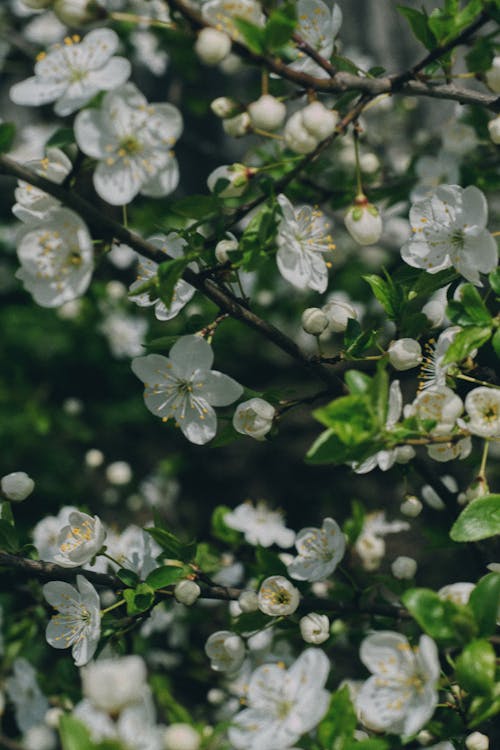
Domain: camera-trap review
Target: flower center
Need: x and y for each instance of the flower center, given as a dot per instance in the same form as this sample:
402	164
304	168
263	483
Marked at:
130	145
458	238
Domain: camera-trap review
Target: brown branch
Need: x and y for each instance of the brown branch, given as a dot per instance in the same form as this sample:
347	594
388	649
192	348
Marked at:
53	572
342	82
226	301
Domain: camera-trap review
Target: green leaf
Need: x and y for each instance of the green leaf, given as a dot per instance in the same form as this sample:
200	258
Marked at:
479	520
139	599
6	512
480	58
484	708
170	544
128	577
473	306
165	575
374	743
358	382
169	273
339	723
419	23
389	296
443	620
475	667
484	601
268	563
258	237
9	539
62	137
495	342
219	528
379	394
350	417
465	341
253	35
353	526
250	621
196	206
494	279
280	27
7	135
74	735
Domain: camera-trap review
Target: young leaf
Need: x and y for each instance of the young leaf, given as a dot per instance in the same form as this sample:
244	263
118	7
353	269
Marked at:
419	23
7	135
446	622
465	341
479	520
169	273
485	602
165	575
74	735
475	667
340	721
62	137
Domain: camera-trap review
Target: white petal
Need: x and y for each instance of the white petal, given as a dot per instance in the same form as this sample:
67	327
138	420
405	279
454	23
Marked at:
310	670
110	76
57	593
98	46
191	353
151	369
219	389
198	428
386	653
475	207
34	92
118	183
164	182
90	133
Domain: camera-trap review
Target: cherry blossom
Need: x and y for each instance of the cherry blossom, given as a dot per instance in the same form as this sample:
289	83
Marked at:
260	525
320	551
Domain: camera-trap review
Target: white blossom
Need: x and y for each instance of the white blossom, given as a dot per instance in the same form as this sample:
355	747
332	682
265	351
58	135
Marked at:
404	353
40	737
124	333
401	695
254	418
248	601
78	12
318	25
433	171
477	741
283	704
267	113
483	408
237	126
437	403
314	628
180	736
30	704
112	684
134	549
221	14
78	622
226	651
183	387
260	525
173	245
278	597
494	129
72	73
33	204
79	541
46	533
370	545
17	486
339	312
404	567
320	551
449	230
119	473
433	372
237	176
458	593
318	120
131	141
302	239
56	256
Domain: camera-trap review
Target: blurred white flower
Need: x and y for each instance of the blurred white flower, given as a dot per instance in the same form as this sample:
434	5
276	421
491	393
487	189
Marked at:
30	704
320	551
226	651
260	525
318	25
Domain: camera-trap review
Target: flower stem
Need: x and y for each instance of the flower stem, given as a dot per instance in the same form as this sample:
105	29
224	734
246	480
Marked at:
133	18
470	379
359	184
484	458
113	606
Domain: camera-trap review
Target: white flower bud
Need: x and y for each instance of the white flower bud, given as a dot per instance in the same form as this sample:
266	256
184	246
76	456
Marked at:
278	597
371	550
78	12
424	737
315	628
493	75
411	507
404	453
181	737
477	740
404	567
17	486
225	650
248	601
254	418
319	121
39	737
116	290
119	472
297	138
72	406
187	592
212	46
369	163
363	222
223	107
314	321
216	696
223	248
494	129
237	126
236	174
53	716
267	113
405	354
339	313
94	458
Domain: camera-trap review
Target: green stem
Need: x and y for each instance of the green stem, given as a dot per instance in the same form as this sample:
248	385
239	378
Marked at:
113	606
359	184
484	458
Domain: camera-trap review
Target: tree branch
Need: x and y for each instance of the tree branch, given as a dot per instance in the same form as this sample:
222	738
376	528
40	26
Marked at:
226	302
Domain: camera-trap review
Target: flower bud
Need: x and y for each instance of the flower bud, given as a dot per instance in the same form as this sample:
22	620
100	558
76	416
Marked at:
254	418
39	737
237	126
404	567
411	507
493	75
53	716
297	138
17	486
225	650
319	121
248	601
477	740
181	737
314	321
267	113
369	163
223	248
363	222
236	174
187	592
78	12
339	313
278	597
94	458
223	107
405	354
119	472
212	46
315	628
494	129
404	453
